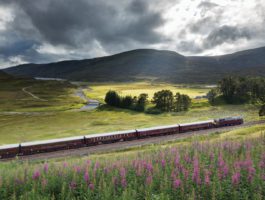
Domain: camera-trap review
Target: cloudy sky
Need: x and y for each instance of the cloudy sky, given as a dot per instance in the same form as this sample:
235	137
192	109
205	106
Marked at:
50	30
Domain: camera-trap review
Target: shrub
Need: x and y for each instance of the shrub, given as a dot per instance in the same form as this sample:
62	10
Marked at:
153	111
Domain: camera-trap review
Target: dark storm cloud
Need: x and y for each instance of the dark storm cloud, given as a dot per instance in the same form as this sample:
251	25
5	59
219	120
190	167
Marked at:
79	24
226	34
71	23
17	48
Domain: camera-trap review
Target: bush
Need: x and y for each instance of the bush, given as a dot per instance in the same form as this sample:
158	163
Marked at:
262	111
153	111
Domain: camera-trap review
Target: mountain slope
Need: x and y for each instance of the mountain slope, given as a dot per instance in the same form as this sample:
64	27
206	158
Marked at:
4	76
151	64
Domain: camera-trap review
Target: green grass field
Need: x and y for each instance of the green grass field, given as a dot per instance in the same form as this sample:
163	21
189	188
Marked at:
23	118
57	95
37	126
98	90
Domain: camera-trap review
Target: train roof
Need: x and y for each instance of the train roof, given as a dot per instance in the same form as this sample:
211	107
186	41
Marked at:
9	146
197	123
51	141
110	133
230	118
158	127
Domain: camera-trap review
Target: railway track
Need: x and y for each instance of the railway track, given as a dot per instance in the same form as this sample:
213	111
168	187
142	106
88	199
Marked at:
84	151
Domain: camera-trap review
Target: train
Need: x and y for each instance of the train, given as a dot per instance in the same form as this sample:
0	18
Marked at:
29	148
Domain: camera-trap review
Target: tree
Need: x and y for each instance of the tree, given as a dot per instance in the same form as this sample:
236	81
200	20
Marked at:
126	102
141	102
163	100
182	102
112	98
211	96
178	102
259	90
186	102
227	87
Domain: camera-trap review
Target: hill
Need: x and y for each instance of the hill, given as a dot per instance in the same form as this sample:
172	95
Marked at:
5	76
151	64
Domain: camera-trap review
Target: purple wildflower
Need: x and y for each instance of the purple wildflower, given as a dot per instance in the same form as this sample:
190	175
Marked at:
36	175
163	163
207	174
251	173
123	182
46	168
262	161
88	162
123	172
177	159
196	171
149	180
77	169
177	183
65	164
222	167
86	177
91	186
236	178
149	167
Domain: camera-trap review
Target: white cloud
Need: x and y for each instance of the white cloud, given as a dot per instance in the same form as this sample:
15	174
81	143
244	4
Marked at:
205	17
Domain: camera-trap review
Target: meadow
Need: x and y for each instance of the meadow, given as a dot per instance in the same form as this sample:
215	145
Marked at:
38	126
54	95
98	90
27	119
197	169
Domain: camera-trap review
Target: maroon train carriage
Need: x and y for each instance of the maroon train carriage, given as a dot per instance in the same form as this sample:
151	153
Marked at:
196	126
52	145
9	151
156	131
110	137
229	121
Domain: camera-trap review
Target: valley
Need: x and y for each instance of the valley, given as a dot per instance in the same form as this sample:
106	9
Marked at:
25	118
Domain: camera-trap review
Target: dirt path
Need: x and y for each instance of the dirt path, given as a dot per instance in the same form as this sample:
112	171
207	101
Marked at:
105	148
33	95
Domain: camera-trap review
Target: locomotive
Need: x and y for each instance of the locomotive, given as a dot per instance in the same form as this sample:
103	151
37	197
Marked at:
29	148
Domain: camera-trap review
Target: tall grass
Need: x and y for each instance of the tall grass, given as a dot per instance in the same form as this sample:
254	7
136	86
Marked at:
201	170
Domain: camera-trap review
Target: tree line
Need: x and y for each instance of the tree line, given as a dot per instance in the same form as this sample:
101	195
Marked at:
239	90
164	101
112	98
